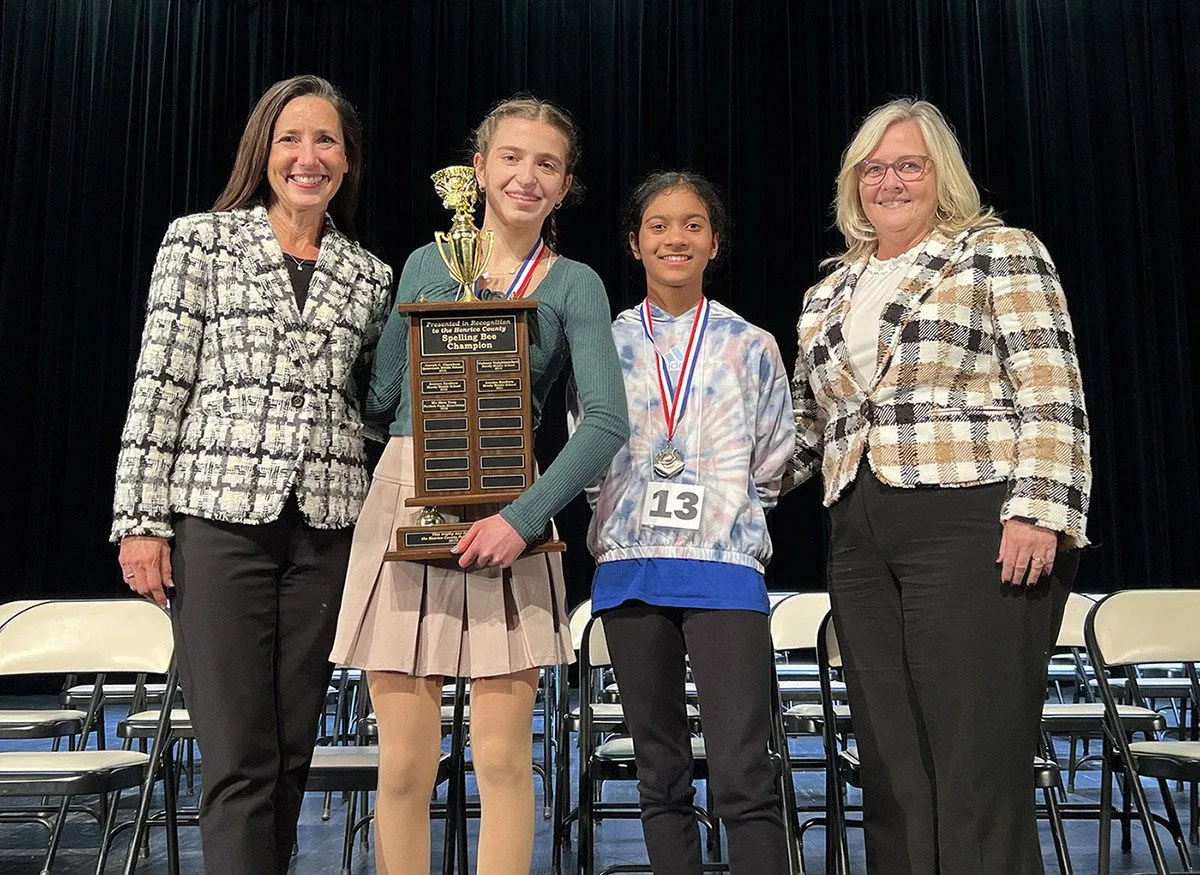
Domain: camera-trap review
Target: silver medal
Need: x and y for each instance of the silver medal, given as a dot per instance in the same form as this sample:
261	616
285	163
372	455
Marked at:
668	462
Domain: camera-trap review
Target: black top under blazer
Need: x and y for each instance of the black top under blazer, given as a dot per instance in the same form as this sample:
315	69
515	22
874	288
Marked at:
239	398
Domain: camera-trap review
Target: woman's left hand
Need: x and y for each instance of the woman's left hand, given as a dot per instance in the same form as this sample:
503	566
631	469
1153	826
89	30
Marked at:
1026	553
490	541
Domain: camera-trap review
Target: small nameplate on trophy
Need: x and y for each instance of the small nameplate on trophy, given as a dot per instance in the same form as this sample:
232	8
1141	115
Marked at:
433	387
509	402
443	405
449	463
444	484
502	481
502	462
497	366
436	445
473	334
499	384
416	539
456	424
438	369
495	423
501	442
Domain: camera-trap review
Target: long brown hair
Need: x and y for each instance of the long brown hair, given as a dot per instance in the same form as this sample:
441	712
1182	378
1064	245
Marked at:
530	108
248	181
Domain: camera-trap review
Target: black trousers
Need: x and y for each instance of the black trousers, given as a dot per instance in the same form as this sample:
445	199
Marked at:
946	674
731	662
254	612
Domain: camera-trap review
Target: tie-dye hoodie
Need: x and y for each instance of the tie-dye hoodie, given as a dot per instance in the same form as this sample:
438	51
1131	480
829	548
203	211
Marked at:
736	436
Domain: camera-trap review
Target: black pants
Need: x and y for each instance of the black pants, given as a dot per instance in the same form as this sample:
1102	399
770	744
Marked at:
255	609
946	674
731	658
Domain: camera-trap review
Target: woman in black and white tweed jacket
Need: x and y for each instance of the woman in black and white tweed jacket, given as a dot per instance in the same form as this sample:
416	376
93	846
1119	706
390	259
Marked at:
938	389
242	470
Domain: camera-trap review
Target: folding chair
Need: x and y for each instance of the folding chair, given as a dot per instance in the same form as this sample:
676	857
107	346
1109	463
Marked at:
843	767
354	769
63	637
1123	630
26	723
795	621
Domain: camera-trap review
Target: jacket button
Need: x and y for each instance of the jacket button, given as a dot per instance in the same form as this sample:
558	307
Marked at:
297	401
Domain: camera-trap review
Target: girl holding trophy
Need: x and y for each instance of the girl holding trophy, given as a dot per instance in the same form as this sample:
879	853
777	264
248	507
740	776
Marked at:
491	617
680	538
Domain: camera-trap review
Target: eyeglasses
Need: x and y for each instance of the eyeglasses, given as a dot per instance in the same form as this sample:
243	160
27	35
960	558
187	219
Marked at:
909	168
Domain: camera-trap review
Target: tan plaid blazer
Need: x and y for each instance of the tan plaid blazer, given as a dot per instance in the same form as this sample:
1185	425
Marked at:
977	381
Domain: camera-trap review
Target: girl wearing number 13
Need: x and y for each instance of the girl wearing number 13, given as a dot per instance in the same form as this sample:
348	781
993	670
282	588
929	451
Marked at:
680	538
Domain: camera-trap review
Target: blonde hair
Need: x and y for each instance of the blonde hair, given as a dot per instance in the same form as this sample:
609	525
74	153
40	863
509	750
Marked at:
530	108
958	207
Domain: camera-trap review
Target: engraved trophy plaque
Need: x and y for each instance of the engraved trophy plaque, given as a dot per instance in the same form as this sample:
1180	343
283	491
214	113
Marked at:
472	416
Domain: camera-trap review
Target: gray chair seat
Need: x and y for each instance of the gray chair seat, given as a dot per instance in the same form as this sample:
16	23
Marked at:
610	717
114	694
809	690
615	759
44	723
807	718
344	767
1171	760
1088	717
70	773
1153	687
143	724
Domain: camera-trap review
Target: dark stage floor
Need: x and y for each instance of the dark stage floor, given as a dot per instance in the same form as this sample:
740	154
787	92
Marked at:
21	846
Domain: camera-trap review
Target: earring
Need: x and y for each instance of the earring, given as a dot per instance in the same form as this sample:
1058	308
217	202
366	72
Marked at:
557	205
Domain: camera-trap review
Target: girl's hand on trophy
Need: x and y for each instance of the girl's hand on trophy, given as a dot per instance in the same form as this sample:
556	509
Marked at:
489	542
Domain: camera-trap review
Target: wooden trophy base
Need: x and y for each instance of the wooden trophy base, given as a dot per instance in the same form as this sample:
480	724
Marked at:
419	543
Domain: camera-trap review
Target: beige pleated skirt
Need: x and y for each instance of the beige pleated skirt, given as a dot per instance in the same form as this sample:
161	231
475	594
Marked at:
432	618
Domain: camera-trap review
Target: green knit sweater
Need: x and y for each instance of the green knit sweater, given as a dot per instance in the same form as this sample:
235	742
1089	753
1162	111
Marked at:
572	321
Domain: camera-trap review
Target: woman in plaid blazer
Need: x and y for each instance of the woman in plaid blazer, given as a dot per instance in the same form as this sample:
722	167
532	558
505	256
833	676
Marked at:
938	390
241	469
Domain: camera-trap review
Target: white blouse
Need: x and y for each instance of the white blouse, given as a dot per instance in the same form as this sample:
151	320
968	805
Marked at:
876	288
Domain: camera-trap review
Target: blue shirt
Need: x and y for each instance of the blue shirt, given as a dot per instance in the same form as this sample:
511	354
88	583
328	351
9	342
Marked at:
679	583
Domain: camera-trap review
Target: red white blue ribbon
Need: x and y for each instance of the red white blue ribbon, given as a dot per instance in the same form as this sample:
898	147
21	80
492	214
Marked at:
520	282
674	398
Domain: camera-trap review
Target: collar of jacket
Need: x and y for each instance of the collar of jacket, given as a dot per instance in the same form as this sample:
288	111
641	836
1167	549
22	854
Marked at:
332	281
938	254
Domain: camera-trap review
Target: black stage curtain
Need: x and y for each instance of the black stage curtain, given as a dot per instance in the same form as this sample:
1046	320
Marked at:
1081	121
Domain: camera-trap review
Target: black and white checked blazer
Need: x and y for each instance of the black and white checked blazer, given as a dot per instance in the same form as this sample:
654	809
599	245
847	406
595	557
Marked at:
238	398
977	381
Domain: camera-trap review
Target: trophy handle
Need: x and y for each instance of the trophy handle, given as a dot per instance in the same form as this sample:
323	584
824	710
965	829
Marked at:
488	241
442	239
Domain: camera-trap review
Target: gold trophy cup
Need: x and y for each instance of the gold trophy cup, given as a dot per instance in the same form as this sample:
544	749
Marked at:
465	249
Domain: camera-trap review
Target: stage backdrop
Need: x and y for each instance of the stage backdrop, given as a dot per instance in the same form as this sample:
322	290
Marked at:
1081	121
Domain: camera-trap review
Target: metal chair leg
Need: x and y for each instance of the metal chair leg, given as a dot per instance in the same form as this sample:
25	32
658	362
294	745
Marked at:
1057	833
56	835
1134	788
1174	826
170	808
348	837
1106	782
547	745
455	796
106	834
